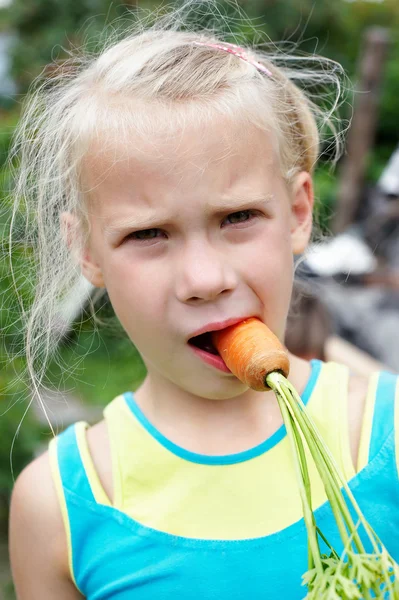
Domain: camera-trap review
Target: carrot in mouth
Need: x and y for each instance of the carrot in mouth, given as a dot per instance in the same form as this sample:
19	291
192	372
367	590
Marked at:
251	351
256	357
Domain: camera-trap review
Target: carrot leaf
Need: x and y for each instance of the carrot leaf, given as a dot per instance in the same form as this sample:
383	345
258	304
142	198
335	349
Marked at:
355	574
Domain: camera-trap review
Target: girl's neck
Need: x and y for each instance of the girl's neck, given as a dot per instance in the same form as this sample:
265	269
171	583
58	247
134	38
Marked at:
215	427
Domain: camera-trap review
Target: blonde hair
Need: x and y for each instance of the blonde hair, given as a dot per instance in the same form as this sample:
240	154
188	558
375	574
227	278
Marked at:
110	92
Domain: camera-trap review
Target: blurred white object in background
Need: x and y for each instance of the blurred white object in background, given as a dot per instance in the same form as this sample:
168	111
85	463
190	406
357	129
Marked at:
7	84
345	253
389	180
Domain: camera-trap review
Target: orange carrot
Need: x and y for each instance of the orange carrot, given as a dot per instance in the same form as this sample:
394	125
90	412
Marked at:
251	351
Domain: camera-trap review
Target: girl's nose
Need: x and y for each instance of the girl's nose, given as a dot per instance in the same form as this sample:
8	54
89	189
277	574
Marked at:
204	274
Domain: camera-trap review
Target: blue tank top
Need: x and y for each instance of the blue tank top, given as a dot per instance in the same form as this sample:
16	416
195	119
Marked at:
218	527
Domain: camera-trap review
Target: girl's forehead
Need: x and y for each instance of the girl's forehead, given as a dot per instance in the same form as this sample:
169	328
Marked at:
183	158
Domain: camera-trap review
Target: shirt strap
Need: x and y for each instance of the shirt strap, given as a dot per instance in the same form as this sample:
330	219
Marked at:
379	416
75	466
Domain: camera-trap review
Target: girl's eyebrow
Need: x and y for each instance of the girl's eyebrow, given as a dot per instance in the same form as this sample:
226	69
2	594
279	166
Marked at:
238	202
149	220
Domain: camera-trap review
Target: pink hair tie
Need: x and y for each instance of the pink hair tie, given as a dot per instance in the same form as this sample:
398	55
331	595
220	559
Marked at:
237	51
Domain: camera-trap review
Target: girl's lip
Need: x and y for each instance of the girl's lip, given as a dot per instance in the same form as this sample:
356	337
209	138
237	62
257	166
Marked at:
211	359
217	326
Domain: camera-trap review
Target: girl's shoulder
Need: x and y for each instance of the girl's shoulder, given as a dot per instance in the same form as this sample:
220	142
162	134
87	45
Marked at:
100	453
37	542
371	407
354	411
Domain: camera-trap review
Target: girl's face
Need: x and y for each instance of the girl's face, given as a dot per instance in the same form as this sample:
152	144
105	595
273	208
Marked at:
194	229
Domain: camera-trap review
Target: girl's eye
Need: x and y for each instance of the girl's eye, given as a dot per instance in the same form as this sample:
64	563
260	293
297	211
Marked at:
241	216
144	235
147	235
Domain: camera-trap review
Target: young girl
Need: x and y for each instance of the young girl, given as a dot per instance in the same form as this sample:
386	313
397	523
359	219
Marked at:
174	171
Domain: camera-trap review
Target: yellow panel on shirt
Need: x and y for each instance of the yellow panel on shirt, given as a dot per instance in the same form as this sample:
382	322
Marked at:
249	494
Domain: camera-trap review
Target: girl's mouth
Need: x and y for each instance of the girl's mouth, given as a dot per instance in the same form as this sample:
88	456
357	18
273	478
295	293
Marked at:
204	342
204	349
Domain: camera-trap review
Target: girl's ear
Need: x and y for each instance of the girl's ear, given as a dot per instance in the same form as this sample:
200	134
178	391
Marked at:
82	256
302	200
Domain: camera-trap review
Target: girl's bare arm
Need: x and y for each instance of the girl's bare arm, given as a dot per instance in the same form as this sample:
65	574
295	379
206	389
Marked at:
38	551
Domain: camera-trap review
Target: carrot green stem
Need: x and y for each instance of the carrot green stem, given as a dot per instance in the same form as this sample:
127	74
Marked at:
298	424
298	453
306	480
328	460
332	487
